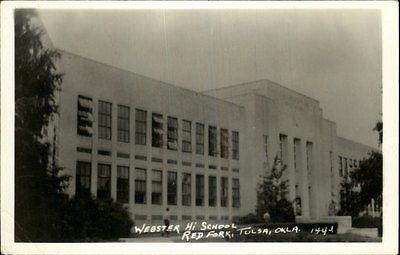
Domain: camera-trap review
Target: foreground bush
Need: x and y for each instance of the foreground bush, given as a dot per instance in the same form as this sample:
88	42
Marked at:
87	219
366	222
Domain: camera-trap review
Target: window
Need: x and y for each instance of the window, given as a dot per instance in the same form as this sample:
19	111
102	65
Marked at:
172	133
350	163
104	120
200	138
235	193
296	142
172	188
186	189
123	123
235	145
212	141
212	191
266	147
123	184
157	130
224	143
186	136
309	146
82	179
346	170
104	181
224	191
199	190
282	147
140	127
340	167
156	188
85	116
140	186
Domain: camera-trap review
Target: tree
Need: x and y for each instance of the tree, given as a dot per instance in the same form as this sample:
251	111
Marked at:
363	183
38	187
271	196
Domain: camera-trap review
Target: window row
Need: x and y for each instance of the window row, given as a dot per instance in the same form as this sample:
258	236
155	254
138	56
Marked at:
83	184
86	119
346	165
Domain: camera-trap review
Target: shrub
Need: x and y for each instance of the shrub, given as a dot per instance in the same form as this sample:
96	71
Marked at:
250	218
366	222
282	212
95	220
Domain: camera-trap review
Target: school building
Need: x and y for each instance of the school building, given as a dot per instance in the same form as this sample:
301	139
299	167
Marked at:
152	145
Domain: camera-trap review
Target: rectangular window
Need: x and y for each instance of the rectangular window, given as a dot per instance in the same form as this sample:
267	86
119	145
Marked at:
186	189
104	120
172	188
224	143
309	161
140	127
156	188
200	138
157	130
235	145
224	191
212	191
85	116
123	123
340	166
235	193
140	186
199	190
186	136
212	141
82	179
104	181
296	143
282	148
346	170
123	184
172	133
266	147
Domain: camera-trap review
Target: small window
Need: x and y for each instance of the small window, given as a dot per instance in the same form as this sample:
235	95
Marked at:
224	143
123	184
199	190
172	188
82	179
172	133
235	193
200	138
186	136
212	141
140	186
235	145
104	181
104	120
186	189
340	166
156	192
157	130
212	191
224	191
140	127
85	116
123	123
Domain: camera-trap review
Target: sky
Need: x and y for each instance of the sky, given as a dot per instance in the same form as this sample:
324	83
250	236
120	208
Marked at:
334	56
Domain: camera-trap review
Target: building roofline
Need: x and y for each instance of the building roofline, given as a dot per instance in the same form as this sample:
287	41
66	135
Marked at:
258	81
358	143
149	78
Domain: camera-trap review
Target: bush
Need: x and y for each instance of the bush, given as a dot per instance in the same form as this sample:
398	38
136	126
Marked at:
89	219
366	222
250	218
282	212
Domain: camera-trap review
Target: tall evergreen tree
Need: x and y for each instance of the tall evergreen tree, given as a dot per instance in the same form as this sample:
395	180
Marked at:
272	195
38	188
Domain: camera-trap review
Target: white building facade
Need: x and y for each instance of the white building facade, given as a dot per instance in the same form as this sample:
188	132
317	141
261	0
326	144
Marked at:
152	145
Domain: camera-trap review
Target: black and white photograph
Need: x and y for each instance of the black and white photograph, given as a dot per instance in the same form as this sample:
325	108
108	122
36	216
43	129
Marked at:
132	128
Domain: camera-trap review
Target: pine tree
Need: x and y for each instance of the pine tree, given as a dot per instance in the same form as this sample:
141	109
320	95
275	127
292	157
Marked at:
272	195
38	188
